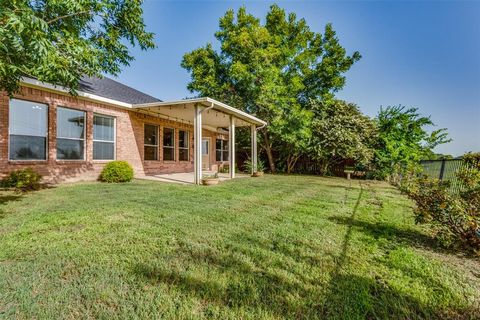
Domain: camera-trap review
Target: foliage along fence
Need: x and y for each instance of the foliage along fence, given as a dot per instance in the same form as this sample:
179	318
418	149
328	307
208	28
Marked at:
444	169
306	166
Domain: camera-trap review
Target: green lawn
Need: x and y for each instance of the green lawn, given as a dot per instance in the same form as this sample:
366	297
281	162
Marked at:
271	247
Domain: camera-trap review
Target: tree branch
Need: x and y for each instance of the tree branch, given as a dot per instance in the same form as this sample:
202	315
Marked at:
68	15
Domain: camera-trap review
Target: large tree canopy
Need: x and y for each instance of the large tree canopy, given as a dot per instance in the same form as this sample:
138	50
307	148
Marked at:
271	70
341	131
58	41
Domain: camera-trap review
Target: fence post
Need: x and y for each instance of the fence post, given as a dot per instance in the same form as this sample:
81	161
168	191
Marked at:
442	169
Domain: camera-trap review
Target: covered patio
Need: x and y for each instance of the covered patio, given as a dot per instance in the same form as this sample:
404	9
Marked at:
209	114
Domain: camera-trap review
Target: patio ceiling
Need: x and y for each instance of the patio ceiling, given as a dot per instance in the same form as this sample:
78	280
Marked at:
217	116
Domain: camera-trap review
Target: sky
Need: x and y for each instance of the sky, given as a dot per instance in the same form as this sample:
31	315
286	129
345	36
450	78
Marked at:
422	54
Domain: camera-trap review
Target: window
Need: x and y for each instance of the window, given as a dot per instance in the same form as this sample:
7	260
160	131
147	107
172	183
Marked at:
221	149
103	137
168	144
28	125
150	142
183	145
70	134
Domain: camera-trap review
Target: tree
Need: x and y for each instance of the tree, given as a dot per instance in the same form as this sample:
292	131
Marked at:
341	131
404	140
59	41
271	70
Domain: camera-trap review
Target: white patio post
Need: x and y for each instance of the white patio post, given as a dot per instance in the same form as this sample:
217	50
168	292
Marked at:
197	137
253	129
231	147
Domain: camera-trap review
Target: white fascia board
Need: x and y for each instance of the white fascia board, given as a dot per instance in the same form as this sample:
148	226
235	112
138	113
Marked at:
208	101
203	100
28	82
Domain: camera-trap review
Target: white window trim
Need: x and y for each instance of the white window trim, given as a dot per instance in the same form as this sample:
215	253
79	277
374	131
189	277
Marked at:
184	148
114	137
169	147
151	145
84	136
46	133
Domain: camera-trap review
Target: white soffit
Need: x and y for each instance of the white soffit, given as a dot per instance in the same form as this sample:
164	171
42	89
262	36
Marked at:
214	115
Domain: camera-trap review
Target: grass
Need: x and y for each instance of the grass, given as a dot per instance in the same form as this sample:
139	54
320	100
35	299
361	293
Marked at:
272	247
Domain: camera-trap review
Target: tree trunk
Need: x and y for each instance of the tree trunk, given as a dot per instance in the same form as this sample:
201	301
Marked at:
268	150
291	161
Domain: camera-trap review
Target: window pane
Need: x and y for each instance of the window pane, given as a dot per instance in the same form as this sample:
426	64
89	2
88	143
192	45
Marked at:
183	139
70	123
218	155
183	154
168	154
168	137
103	150
218	144
205	148
151	153
103	128
150	135
225	155
28	148
225	145
28	118
70	149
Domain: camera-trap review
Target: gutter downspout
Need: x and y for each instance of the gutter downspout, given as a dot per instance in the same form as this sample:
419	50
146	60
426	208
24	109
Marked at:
261	127
208	108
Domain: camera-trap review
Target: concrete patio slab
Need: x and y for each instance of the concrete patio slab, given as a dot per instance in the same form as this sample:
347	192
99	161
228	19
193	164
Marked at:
186	177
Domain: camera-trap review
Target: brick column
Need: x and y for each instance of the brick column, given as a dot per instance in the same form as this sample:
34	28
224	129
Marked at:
89	137
4	105
52	133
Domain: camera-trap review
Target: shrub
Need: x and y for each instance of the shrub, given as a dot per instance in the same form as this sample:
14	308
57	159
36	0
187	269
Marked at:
225	168
454	217
117	171
248	165
24	179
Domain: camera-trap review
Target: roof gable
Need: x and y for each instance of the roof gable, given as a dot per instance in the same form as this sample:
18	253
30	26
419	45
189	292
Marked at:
109	88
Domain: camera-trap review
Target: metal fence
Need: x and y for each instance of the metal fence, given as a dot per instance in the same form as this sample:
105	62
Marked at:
444	169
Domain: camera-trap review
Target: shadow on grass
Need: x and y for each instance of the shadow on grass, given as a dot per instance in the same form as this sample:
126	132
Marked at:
6	198
352	296
249	277
389	232
355	297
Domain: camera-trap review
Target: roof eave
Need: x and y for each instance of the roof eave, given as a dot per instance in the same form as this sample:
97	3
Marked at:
206	101
28	82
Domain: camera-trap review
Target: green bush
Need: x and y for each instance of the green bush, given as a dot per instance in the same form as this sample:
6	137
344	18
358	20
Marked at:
24	179
225	168
117	171
248	165
454	217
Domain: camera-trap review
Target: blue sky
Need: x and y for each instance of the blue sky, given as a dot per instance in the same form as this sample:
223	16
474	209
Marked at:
420	54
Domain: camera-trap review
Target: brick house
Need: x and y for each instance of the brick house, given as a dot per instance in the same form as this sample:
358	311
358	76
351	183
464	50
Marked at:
67	138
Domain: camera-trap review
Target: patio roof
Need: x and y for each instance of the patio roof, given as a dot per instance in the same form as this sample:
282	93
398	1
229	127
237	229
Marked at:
108	91
216	116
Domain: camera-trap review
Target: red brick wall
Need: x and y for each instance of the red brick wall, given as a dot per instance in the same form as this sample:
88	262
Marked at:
129	140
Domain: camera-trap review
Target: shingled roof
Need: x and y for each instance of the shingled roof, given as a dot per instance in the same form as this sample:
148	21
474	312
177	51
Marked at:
109	88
